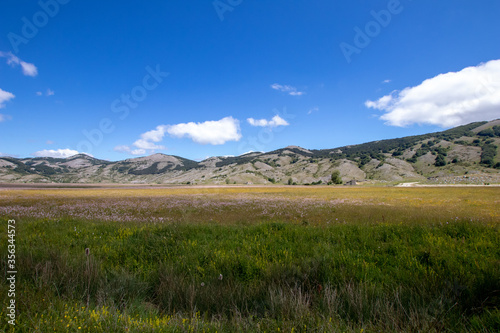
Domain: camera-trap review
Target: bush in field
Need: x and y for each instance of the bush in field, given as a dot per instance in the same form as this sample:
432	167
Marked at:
336	179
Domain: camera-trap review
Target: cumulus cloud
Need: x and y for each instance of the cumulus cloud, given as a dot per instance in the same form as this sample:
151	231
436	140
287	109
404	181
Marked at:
128	150
145	144
155	135
148	139
57	153
287	89
27	68
447	100
4	97
274	122
214	132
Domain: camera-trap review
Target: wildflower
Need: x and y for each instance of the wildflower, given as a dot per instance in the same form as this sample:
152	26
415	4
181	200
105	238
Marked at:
203	284
220	277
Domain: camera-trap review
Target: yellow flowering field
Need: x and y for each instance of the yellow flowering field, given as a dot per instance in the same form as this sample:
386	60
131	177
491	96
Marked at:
273	259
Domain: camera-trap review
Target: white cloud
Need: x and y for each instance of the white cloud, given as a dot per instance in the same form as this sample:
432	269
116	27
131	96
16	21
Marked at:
274	122
57	153
155	135
147	139
145	144
382	103
313	110
214	132
450	99
122	149
386	81
250	151
27	68
8	155
287	89
4	97
49	92
138	152
127	149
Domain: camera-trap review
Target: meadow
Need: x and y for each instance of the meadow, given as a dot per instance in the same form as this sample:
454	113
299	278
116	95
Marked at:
245	259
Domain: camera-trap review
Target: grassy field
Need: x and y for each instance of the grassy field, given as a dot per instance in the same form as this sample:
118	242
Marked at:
274	259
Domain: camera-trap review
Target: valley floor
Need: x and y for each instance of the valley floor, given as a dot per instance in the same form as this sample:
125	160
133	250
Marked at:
253	258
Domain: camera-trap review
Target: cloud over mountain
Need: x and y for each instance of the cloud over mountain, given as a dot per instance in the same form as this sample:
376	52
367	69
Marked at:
56	153
274	122
449	99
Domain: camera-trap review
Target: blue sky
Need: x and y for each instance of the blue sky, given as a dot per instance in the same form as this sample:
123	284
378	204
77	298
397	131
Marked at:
207	78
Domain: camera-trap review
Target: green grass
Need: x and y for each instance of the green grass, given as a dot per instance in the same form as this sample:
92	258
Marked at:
278	274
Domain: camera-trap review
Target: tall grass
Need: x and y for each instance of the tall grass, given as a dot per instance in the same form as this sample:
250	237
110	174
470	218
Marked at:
322	267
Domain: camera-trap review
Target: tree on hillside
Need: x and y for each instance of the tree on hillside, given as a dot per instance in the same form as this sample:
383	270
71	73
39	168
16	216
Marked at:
488	155
496	130
487	132
440	161
336	179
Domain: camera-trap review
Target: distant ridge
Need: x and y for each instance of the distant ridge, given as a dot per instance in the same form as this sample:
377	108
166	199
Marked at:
464	154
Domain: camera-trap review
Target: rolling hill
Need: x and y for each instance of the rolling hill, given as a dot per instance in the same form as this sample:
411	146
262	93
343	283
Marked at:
464	154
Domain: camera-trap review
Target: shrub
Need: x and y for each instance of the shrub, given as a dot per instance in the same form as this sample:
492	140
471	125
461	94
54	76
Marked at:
336	179
440	161
488	155
487	132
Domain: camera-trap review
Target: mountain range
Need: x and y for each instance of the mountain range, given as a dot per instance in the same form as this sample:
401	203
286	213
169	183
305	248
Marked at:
464	154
